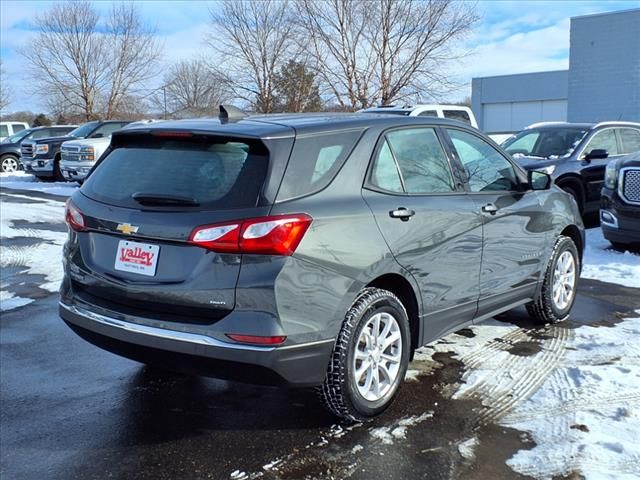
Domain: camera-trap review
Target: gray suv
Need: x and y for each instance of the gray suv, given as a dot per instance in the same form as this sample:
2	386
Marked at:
310	250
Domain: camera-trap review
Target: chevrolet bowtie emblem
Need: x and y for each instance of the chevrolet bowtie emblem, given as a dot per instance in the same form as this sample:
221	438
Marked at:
126	228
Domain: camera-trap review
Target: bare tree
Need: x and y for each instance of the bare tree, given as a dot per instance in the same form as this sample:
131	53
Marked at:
4	91
89	65
134	53
370	51
192	88
255	37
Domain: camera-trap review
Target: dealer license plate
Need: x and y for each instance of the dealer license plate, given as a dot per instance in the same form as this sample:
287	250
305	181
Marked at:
136	257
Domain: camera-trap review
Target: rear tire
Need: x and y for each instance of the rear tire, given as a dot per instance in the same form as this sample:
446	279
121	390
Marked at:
558	292
370	357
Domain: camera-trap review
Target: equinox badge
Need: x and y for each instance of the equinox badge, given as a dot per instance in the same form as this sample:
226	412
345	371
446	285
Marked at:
127	228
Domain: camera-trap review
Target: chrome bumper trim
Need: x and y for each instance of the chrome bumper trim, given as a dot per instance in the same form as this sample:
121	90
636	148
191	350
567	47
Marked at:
174	334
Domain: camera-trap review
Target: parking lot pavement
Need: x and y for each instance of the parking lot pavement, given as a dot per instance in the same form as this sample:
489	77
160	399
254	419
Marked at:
478	404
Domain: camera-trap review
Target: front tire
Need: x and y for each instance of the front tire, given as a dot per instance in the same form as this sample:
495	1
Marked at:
558	293
8	164
370	357
57	173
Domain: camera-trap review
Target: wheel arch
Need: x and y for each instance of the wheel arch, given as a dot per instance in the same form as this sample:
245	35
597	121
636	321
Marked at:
402	288
573	232
574	183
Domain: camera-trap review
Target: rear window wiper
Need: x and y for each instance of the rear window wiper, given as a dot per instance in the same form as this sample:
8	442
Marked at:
144	198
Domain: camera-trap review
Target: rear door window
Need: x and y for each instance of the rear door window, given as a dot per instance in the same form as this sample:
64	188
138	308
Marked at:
412	160
422	161
42	134
603	140
630	140
212	172
459	115
107	129
315	161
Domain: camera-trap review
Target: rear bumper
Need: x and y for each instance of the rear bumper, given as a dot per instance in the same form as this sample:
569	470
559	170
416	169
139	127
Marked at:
301	365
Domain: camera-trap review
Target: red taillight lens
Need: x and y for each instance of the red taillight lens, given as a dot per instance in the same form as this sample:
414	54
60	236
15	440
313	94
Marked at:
277	235
74	217
257	340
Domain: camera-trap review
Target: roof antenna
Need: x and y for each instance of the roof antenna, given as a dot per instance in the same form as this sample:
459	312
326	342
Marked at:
229	113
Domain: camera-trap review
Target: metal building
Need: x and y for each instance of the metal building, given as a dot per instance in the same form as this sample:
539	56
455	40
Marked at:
602	83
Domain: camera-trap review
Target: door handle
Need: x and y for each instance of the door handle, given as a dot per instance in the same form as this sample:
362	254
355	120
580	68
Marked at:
402	213
490	208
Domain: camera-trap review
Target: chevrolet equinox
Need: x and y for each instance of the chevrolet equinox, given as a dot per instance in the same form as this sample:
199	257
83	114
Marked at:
310	250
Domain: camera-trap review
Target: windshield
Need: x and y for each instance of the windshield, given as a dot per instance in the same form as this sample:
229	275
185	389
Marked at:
16	137
83	130
545	142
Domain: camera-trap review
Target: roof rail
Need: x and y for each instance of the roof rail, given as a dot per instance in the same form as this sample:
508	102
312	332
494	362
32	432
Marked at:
229	113
542	124
614	122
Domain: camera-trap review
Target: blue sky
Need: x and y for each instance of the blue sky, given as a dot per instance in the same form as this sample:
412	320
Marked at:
512	37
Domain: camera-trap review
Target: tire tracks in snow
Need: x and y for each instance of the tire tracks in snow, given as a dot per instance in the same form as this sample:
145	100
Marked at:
509	379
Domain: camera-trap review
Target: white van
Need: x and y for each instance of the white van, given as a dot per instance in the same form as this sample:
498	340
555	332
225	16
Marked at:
9	128
453	112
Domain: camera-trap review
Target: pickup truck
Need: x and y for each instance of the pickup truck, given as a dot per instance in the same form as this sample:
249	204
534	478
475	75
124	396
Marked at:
42	157
77	157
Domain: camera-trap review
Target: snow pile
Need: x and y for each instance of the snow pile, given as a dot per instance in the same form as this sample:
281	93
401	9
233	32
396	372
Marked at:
602	262
26	181
44	257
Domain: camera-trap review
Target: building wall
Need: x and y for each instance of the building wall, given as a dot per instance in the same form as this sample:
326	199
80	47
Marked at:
508	103
604	67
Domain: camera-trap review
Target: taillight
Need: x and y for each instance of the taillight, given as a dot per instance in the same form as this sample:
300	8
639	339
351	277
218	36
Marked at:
277	235
74	217
257	340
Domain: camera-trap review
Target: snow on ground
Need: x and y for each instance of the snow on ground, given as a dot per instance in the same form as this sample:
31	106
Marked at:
42	252
585	417
576	391
26	181
602	262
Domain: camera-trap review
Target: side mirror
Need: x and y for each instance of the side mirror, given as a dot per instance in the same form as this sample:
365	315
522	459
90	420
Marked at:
539	180
97	135
596	153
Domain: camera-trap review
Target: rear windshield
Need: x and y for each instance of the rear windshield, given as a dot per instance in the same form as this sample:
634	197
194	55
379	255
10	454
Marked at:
213	172
315	161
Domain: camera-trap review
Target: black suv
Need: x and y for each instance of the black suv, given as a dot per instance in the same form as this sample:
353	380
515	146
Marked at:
42	157
10	147
310	250
575	154
620	204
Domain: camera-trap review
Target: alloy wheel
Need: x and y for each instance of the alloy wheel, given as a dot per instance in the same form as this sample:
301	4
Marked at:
564	280
377	357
